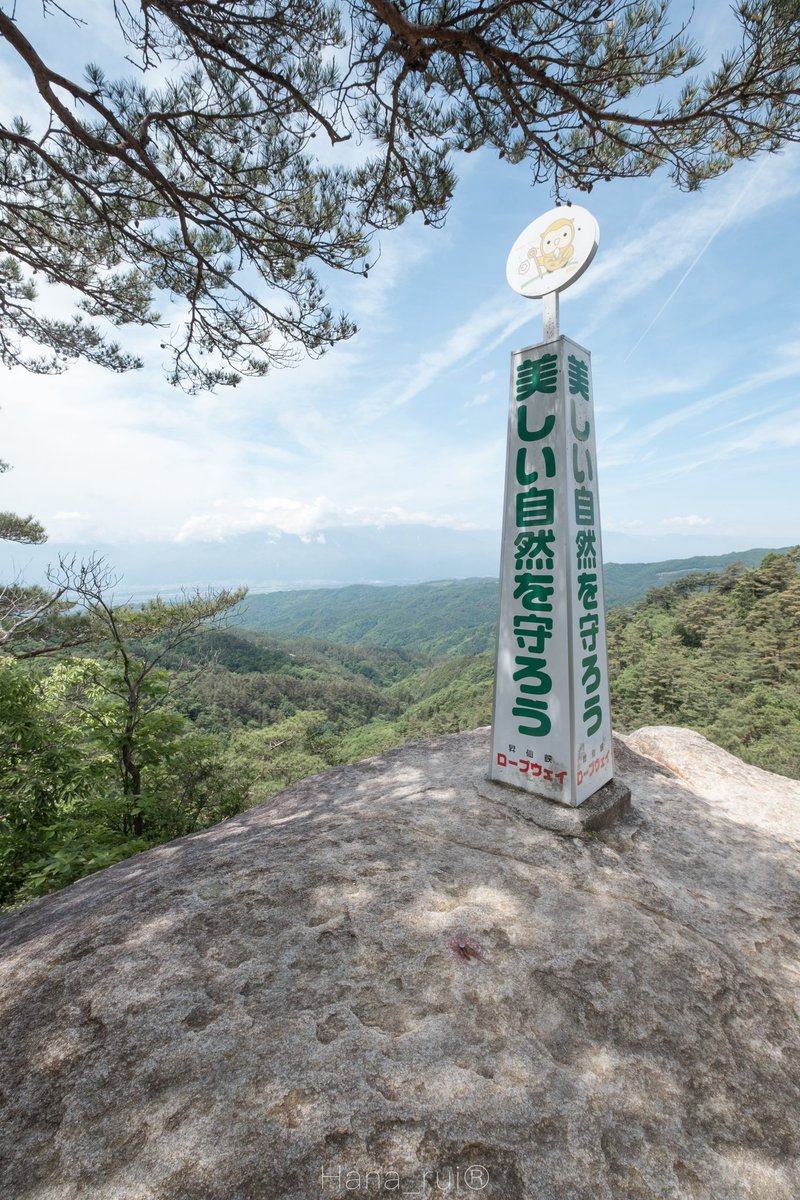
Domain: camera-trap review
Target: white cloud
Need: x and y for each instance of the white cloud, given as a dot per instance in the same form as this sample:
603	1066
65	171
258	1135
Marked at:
621	274
341	441
283	515
479	400
785	365
469	335
779	432
69	526
625	271
693	521
618	526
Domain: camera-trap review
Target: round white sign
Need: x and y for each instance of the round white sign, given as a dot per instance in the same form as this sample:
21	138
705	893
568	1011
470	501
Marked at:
553	251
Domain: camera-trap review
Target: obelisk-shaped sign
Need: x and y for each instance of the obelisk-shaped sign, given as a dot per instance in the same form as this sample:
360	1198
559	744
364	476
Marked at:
551	727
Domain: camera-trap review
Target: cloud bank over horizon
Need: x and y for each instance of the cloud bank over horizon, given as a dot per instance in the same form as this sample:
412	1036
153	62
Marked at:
690	311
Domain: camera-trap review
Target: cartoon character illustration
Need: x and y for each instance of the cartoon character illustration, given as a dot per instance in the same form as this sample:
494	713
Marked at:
556	244
556	248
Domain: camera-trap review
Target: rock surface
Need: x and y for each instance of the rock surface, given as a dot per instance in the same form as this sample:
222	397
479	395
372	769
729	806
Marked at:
381	971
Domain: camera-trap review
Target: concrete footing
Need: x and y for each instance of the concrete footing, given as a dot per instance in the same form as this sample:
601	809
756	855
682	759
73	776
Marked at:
606	807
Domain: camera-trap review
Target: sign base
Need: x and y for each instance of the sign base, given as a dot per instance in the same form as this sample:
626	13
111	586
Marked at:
606	807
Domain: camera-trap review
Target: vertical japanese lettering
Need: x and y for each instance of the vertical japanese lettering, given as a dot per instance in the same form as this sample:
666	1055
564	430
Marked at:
534	544
585	512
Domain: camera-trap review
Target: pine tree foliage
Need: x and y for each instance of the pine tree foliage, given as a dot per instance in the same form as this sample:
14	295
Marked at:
23	607
19	529
199	178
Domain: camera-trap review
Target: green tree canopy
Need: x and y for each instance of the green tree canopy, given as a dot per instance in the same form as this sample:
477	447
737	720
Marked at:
720	654
199	176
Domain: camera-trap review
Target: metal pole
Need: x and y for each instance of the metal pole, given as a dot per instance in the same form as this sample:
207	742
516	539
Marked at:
550	316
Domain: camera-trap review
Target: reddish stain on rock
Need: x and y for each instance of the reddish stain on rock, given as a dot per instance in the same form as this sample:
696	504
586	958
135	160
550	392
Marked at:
464	949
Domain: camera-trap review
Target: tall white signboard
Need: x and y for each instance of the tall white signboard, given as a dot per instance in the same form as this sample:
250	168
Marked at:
551	728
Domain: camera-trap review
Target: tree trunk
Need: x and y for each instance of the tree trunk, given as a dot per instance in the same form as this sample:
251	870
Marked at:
133	783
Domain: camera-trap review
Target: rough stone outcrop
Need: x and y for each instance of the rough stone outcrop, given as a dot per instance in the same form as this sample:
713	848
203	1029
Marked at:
383	971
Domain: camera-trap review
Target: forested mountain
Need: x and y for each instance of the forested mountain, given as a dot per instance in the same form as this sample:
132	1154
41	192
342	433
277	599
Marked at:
627	582
227	717
718	653
451	616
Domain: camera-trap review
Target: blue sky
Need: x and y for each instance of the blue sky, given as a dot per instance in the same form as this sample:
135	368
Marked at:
691	310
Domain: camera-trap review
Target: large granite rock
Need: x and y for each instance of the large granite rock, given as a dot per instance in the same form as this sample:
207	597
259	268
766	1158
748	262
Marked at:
383	971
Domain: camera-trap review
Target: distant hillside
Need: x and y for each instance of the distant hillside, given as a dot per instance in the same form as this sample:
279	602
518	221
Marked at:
626	582
233	716
448	617
443	618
